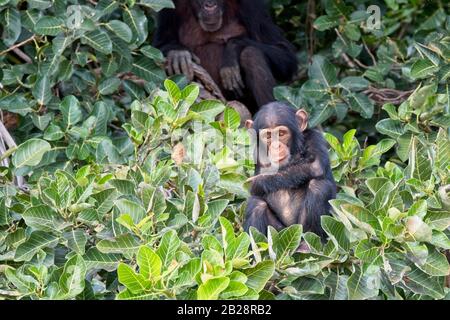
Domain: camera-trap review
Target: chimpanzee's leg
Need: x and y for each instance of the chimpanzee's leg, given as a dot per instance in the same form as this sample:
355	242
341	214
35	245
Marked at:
257	75
315	204
259	216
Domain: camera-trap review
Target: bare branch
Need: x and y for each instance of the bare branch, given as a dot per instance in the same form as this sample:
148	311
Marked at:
17	45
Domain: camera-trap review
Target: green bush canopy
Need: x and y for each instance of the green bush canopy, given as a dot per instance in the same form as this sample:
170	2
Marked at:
113	192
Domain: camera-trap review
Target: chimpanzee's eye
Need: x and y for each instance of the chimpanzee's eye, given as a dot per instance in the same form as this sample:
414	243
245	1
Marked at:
282	133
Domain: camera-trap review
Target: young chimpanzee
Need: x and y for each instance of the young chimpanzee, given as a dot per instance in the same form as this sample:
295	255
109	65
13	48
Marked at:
236	41
293	181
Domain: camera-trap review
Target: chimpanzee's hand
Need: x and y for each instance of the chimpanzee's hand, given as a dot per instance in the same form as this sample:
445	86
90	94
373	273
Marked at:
259	185
180	62
232	79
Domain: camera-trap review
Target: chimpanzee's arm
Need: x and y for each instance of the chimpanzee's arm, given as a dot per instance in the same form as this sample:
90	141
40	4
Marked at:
166	35
315	203
265	35
298	172
292	177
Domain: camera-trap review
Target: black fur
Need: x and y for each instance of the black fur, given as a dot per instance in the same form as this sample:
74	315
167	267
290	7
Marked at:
268	37
309	187
277	60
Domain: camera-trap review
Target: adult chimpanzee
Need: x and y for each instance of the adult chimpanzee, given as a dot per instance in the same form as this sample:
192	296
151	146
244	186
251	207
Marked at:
299	190
236	41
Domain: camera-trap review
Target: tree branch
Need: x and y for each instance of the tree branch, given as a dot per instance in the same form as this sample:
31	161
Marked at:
17	45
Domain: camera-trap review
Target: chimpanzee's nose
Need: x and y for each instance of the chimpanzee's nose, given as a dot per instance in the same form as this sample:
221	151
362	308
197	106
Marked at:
210	5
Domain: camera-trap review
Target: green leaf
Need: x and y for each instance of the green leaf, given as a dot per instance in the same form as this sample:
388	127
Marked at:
338	286
336	230
234	289
134	282
367	252
352	32
128	295
323	71
39	4
288	94
76	240
362	285
22	282
288	241
211	289
137	21
231	118
125	243
157	5
98	40
423	68
71	111
354	83
121	29
444	73
105	200
149	263
420	95
325	23
389	127
439	220
135	210
435	20
49	26
30	153
238	247
4	213
168	247
227	231
308	285
95	259
38	240
153	53
146	69
362	104
173	90
12	27
421	283
108	86
72	281
436	264
258	276
208	109
40	217
41	90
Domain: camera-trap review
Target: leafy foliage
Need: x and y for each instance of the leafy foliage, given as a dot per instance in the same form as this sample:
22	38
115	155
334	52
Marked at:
135	191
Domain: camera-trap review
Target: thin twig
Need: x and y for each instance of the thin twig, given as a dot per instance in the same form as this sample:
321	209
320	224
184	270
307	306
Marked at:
387	95
17	45
10	293
6	137
348	60
3	162
310	17
346	57
22	55
359	63
370	53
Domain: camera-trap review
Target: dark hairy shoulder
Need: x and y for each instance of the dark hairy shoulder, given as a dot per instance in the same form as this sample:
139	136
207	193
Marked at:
316	145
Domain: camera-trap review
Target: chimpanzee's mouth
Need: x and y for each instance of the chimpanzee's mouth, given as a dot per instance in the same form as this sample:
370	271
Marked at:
212	25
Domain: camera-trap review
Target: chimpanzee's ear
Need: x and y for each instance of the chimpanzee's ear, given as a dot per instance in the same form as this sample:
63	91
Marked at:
302	118
249	124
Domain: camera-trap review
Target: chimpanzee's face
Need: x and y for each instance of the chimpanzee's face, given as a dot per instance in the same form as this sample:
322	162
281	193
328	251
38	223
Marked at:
279	131
209	13
277	142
